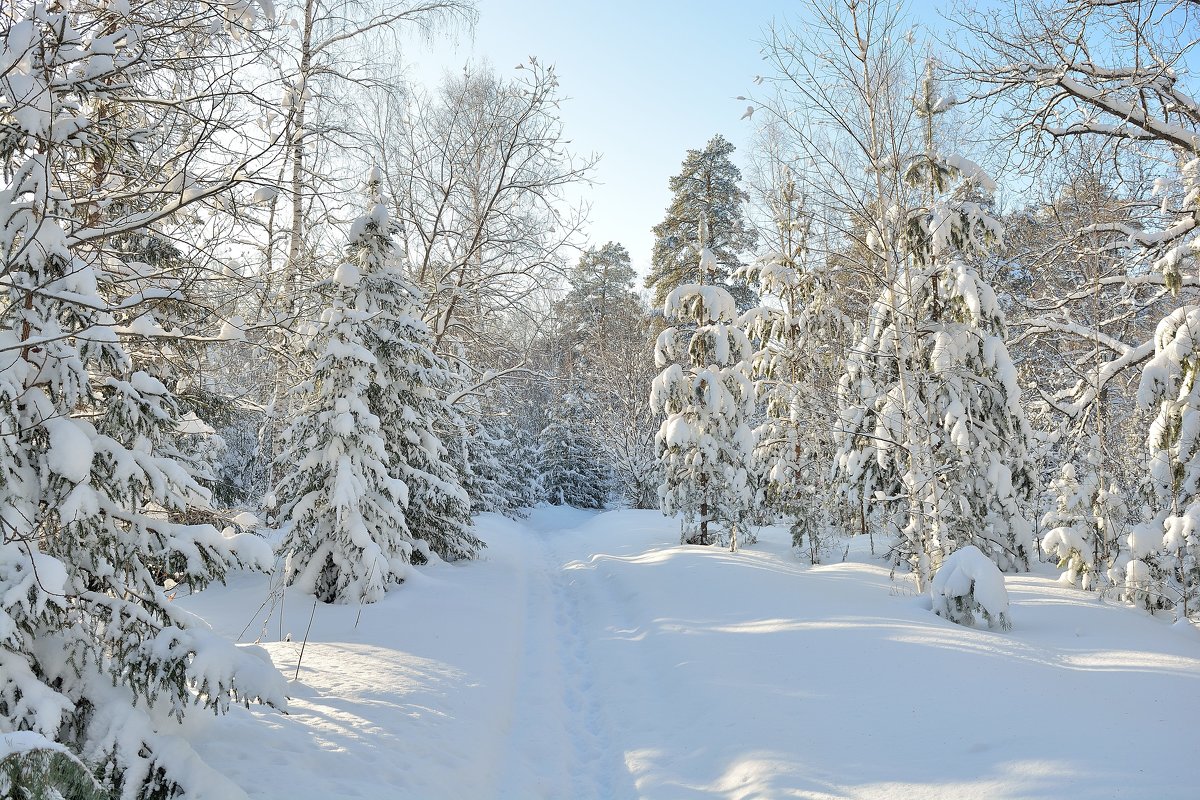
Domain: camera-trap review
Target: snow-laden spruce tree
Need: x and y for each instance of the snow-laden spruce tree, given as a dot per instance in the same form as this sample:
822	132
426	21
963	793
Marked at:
572	472
346	538
932	425
1164	565
797	332
496	459
519	468
479	456
410	395
704	389
93	655
1082	529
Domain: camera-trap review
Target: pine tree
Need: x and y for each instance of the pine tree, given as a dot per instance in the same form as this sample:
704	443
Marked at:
571	473
596	309
90	487
705	443
707	187
604	327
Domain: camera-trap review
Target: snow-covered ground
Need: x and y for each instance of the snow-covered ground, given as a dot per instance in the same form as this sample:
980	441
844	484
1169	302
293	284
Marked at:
588	656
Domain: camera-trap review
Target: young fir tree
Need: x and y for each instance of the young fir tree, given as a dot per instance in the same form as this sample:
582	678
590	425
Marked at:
521	474
409	397
932	426
795	368
1082	527
1164	552
705	442
572	473
89	493
497	462
347	539
707	187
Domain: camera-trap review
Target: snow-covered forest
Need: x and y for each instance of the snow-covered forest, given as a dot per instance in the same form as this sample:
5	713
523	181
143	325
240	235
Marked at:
338	459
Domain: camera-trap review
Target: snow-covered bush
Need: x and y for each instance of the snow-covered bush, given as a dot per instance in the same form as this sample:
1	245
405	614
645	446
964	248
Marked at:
970	587
1082	525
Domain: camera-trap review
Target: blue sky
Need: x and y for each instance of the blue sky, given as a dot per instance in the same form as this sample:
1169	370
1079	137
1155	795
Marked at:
647	80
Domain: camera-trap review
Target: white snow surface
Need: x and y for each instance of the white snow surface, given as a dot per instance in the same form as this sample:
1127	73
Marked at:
347	275
24	741
71	451
588	656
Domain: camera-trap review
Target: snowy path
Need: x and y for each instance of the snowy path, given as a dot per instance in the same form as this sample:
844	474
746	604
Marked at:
588	658
561	737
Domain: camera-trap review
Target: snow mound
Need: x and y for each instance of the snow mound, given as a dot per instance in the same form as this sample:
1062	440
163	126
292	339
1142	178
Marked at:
71	452
347	275
970	585
31	762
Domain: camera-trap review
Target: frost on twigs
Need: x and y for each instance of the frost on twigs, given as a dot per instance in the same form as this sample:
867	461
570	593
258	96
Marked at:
969	588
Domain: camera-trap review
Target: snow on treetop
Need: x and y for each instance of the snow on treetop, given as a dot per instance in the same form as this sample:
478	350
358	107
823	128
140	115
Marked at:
700	303
971	172
376	215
